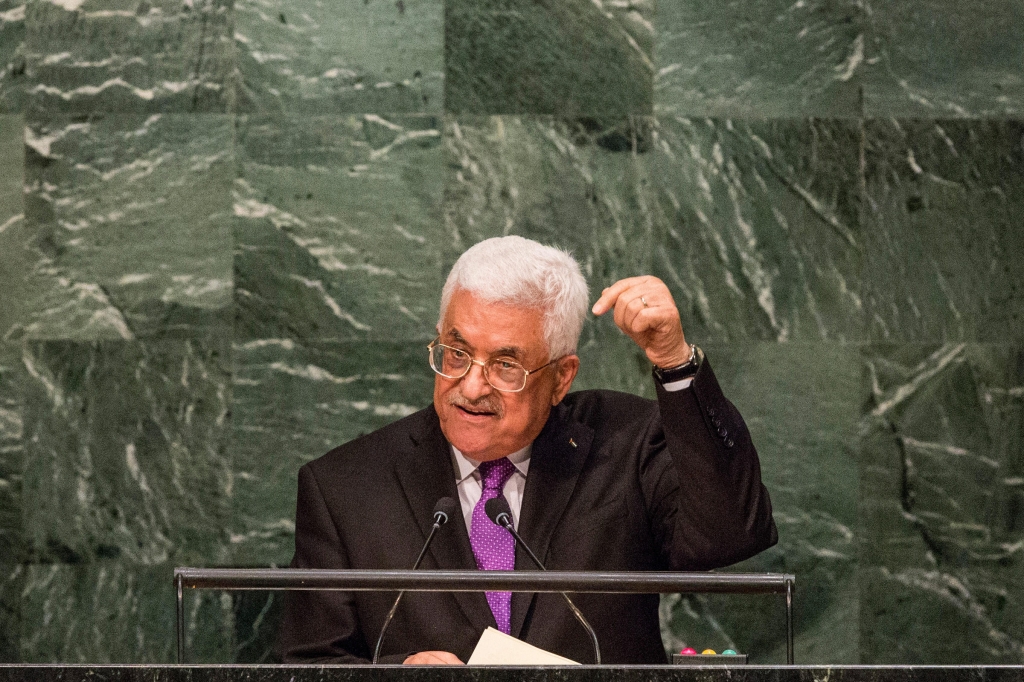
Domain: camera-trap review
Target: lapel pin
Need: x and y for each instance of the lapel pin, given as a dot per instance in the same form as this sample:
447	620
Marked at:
572	442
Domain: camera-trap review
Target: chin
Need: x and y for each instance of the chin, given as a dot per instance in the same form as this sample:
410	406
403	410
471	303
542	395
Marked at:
471	445
471	442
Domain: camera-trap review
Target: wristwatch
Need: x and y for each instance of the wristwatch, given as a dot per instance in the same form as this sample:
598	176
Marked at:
683	371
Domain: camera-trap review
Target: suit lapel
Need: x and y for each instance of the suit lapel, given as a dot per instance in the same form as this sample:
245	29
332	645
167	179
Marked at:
426	475
558	455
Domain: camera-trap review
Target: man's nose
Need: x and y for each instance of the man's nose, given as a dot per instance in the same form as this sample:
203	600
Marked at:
474	384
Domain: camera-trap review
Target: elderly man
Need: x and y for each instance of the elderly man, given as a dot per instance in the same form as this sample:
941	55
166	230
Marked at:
596	480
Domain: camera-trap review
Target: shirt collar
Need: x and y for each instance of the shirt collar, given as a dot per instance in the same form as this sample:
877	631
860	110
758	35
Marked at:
464	466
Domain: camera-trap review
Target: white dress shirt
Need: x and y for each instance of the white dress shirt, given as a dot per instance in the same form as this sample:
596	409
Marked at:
467	480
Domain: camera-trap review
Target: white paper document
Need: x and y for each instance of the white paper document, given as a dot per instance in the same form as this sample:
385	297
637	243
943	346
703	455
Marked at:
497	648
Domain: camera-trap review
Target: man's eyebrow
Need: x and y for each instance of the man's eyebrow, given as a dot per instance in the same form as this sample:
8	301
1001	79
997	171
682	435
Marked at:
509	351
505	351
454	334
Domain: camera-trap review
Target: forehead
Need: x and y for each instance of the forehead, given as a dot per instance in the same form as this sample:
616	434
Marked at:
493	327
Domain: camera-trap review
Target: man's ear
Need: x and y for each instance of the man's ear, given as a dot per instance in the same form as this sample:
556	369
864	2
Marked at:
565	371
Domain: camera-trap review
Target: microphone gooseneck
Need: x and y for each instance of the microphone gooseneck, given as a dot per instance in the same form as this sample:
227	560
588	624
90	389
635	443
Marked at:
444	510
500	514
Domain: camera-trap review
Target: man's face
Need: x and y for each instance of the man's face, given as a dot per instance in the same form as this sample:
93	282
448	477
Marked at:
481	421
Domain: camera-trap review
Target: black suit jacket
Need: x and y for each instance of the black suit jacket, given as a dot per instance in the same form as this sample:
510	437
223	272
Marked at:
616	483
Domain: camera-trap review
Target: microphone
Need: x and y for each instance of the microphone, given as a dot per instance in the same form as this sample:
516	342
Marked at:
500	514
444	510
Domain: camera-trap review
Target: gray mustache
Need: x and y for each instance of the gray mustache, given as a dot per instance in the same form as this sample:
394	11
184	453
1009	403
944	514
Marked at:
486	404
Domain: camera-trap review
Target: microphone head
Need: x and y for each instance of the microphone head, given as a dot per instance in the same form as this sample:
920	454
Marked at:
497	506
444	510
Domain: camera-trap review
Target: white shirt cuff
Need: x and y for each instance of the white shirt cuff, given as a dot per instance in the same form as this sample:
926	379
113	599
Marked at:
678	385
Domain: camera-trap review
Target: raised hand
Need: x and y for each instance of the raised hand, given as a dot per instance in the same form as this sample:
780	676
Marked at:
647	313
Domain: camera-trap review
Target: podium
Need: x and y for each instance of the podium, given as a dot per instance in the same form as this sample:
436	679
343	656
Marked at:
633	582
578	673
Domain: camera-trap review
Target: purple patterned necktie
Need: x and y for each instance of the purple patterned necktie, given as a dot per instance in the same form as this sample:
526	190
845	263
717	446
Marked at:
493	546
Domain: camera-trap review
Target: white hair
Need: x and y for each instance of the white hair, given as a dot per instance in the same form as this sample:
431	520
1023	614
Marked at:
520	272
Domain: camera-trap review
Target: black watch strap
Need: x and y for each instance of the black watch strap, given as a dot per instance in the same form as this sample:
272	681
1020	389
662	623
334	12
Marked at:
684	371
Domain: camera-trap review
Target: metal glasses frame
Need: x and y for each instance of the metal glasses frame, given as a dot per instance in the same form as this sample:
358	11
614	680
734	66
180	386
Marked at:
472	361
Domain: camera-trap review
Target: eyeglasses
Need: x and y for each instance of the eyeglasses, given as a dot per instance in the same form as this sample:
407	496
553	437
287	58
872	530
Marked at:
504	374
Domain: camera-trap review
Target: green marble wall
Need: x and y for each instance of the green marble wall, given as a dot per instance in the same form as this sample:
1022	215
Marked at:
224	226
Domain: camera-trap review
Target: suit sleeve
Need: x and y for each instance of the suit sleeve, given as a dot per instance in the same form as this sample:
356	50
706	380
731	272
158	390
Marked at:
318	626
702	480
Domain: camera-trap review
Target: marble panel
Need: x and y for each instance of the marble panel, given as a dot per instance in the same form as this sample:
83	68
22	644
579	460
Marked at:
292	403
124	56
758	228
242	625
13	267
11	396
12	582
128	228
801	402
255	616
12	179
338	228
760	58
12	453
12	543
570	58
309	56
116	612
12	55
127	451
945	58
609	359
581	185
945	257
942	504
